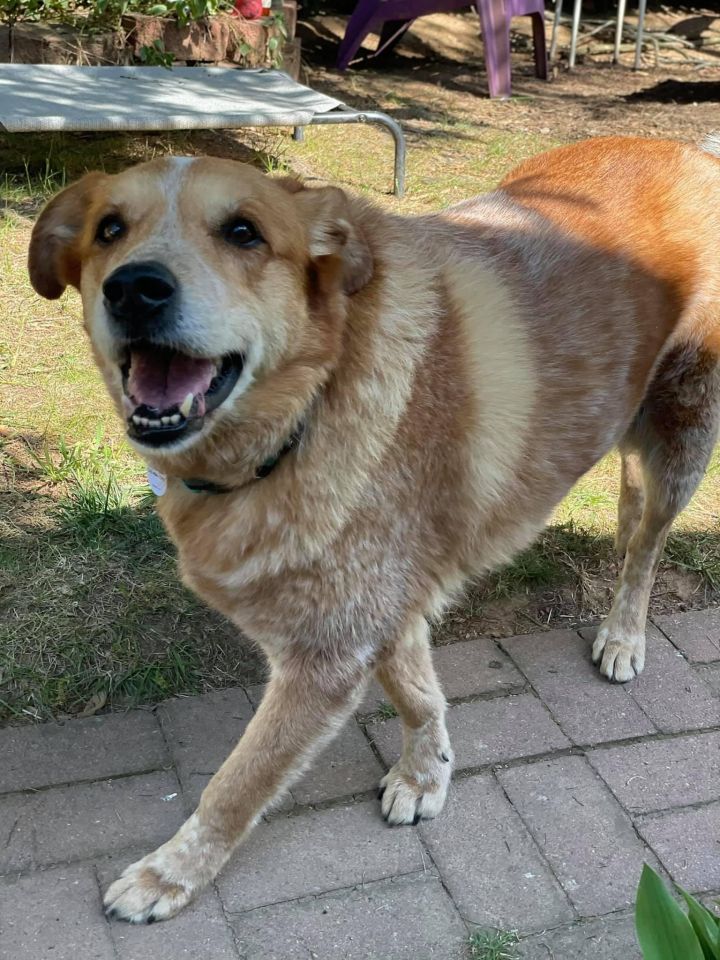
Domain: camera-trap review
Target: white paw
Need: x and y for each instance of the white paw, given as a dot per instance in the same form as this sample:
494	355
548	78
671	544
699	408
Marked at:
410	796
161	884
145	893
621	657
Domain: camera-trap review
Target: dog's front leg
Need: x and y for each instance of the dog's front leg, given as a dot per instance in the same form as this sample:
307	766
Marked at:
302	709
416	787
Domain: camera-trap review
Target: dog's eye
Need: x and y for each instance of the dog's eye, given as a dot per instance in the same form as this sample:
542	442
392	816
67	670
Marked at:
110	229
241	233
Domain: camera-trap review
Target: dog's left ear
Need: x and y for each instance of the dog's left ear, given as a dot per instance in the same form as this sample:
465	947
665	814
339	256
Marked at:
334	232
53	258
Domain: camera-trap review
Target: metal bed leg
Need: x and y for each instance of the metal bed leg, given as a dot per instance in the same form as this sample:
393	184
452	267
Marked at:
298	134
373	116
400	150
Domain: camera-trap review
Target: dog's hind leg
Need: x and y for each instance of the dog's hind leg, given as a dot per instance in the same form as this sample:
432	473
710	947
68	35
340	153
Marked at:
416	786
307	700
674	435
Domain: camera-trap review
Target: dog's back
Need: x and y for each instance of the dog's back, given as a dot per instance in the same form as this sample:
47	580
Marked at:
655	204
569	286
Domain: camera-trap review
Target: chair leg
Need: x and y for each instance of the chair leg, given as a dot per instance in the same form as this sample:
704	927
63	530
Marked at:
539	48
391	34
359	26
495	26
351	43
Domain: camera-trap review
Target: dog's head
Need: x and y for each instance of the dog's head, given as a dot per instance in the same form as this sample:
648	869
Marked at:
202	280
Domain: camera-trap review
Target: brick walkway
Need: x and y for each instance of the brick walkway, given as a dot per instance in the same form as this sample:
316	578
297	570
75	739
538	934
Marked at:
564	786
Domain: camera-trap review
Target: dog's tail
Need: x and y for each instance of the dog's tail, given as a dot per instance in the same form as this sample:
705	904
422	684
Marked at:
711	144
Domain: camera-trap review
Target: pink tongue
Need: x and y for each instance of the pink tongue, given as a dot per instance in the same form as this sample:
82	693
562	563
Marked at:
163	379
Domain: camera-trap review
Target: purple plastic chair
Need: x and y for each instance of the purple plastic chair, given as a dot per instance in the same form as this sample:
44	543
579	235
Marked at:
391	18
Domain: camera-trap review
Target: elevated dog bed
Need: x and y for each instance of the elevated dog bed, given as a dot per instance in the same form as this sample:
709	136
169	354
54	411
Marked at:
36	97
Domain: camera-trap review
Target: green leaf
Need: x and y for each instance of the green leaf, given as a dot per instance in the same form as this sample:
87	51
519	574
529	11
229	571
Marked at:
664	931
705	926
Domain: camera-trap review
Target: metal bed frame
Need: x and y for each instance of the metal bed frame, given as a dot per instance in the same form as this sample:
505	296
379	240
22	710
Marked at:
38	98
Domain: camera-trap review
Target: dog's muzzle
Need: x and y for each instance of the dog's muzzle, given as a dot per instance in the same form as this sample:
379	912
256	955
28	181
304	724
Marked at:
167	392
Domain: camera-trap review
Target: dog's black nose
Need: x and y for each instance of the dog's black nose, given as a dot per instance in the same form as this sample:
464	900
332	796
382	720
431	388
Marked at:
137	295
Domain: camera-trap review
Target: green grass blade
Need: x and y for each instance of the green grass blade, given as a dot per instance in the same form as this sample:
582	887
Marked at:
705	925
664	931
493	945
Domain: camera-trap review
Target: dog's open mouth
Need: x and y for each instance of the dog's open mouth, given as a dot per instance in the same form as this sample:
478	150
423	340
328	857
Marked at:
168	394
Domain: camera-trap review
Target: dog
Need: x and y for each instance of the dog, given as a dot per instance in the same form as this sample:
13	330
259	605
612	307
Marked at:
347	413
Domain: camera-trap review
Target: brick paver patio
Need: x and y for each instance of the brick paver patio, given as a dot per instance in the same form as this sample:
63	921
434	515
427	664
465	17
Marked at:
565	784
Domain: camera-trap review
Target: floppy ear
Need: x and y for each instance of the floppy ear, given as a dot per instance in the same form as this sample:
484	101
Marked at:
333	232
53	258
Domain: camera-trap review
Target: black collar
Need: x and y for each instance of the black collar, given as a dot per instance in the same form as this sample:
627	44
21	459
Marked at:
264	470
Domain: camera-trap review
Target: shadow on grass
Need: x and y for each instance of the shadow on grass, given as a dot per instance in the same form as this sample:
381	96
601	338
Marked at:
35	166
91	607
567	578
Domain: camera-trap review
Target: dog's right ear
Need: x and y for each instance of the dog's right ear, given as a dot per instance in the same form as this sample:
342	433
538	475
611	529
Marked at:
334	232
53	258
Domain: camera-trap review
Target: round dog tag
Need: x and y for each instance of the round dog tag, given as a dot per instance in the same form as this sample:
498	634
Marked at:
157	481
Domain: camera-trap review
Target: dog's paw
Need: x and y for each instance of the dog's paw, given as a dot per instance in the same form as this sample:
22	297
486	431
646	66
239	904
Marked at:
621	656
408	796
161	884
144	894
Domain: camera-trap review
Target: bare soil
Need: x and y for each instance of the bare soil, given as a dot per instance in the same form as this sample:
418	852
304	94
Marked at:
437	74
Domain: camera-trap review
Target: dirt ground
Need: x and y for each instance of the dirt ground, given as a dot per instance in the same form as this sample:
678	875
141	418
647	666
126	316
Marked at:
437	74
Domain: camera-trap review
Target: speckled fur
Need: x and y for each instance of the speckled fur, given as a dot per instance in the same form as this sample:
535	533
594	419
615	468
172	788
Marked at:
456	374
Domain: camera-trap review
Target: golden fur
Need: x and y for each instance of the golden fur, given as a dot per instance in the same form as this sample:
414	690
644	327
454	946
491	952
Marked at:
455	373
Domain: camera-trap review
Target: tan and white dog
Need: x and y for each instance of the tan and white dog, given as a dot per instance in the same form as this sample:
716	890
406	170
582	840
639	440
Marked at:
350	412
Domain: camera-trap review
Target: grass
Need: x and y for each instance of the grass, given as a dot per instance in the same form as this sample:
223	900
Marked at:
92	606
91	609
493	945
383	711
442	167
92	612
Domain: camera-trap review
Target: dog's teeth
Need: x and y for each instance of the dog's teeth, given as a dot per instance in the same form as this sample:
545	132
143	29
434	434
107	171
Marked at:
154	423
165	421
186	405
136	419
144	421
175	418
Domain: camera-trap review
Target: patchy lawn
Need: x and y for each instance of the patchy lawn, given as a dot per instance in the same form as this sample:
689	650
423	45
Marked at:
91	611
